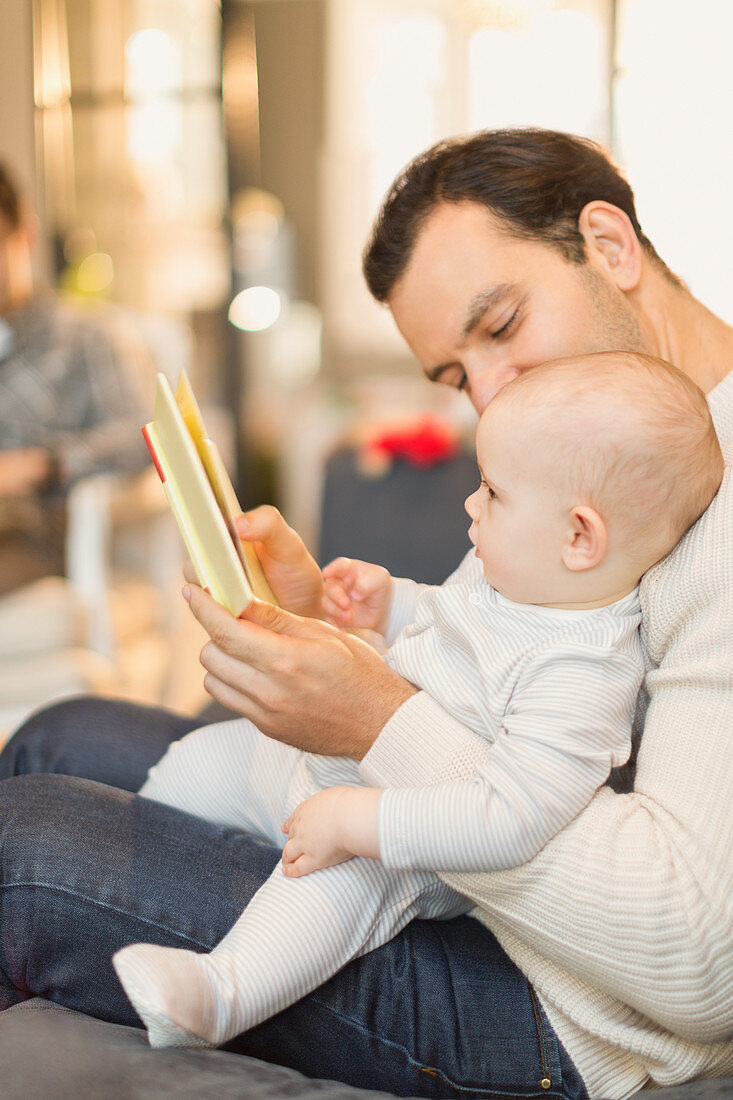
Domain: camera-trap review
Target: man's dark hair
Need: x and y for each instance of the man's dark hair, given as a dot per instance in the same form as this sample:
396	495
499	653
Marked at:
536	181
9	200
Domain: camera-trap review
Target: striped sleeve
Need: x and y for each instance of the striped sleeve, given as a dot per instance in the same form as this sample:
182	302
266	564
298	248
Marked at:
568	724
402	606
406	592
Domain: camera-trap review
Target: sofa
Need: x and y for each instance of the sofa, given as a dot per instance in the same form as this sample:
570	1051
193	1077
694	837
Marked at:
52	1053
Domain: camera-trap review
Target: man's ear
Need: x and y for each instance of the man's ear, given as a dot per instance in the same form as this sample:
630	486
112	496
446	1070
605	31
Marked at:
610	239
587	540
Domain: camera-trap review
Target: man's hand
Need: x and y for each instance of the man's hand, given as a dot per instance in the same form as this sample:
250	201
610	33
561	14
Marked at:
23	470
291	571
331	827
300	680
357	594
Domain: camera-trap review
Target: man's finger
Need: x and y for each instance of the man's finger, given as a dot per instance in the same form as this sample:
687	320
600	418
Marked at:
222	627
189	572
255	637
280	621
215	619
247	680
265	524
230	698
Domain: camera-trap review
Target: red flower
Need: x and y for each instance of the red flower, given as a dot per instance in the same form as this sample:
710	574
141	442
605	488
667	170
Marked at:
422	443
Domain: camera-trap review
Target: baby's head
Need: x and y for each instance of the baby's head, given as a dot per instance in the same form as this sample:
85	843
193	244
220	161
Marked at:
593	467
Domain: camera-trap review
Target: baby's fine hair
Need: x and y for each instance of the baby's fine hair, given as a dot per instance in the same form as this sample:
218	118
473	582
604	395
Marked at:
633	438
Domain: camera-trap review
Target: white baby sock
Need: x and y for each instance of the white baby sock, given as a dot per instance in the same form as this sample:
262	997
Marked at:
176	993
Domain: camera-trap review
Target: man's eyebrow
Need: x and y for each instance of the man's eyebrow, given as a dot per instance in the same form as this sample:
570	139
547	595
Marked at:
479	305
484	302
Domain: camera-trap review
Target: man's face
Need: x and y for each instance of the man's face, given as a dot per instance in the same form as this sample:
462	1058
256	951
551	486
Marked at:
478	307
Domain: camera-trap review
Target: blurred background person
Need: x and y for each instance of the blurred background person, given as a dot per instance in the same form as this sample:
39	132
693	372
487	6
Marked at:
72	399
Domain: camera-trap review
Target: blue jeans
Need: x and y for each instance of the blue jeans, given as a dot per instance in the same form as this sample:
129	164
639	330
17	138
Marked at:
87	867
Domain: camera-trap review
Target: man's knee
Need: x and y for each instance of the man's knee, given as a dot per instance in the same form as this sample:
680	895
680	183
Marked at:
34	746
19	799
45	818
32	813
63	715
38	803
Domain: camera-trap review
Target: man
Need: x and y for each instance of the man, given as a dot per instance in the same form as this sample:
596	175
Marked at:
493	254
72	398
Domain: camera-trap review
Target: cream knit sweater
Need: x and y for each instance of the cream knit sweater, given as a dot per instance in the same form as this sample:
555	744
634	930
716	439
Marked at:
624	921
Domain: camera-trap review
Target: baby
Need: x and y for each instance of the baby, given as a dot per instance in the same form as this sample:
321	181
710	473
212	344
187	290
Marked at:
592	468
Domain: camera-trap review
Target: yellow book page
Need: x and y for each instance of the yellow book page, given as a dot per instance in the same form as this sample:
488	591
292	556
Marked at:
194	505
222	486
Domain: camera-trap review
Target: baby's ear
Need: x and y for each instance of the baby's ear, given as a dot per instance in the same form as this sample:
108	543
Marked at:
587	539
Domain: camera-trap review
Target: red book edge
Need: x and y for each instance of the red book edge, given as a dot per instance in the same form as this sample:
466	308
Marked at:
153	455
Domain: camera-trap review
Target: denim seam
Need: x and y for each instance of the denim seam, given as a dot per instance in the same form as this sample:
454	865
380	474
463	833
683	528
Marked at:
105	905
546	1067
432	1069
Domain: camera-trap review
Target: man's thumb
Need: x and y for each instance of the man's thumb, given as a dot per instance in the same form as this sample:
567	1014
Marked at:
280	621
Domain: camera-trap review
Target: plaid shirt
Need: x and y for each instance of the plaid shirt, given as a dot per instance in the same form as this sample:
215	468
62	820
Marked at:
74	383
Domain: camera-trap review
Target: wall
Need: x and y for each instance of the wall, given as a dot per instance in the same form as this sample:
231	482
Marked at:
290	69
16	90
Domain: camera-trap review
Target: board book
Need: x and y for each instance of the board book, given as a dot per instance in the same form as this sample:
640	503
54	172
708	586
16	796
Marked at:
202	498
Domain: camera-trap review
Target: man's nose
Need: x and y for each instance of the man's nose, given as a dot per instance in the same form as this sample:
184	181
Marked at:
485	382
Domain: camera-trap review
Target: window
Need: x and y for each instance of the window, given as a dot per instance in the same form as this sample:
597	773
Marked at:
404	73
129	112
673	93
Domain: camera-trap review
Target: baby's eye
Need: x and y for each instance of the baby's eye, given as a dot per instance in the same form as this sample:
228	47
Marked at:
488	489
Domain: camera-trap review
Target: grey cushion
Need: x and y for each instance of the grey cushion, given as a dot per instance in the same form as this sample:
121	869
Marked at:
52	1053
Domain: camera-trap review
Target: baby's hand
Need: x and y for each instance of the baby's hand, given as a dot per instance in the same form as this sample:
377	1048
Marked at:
357	594
331	827
315	833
